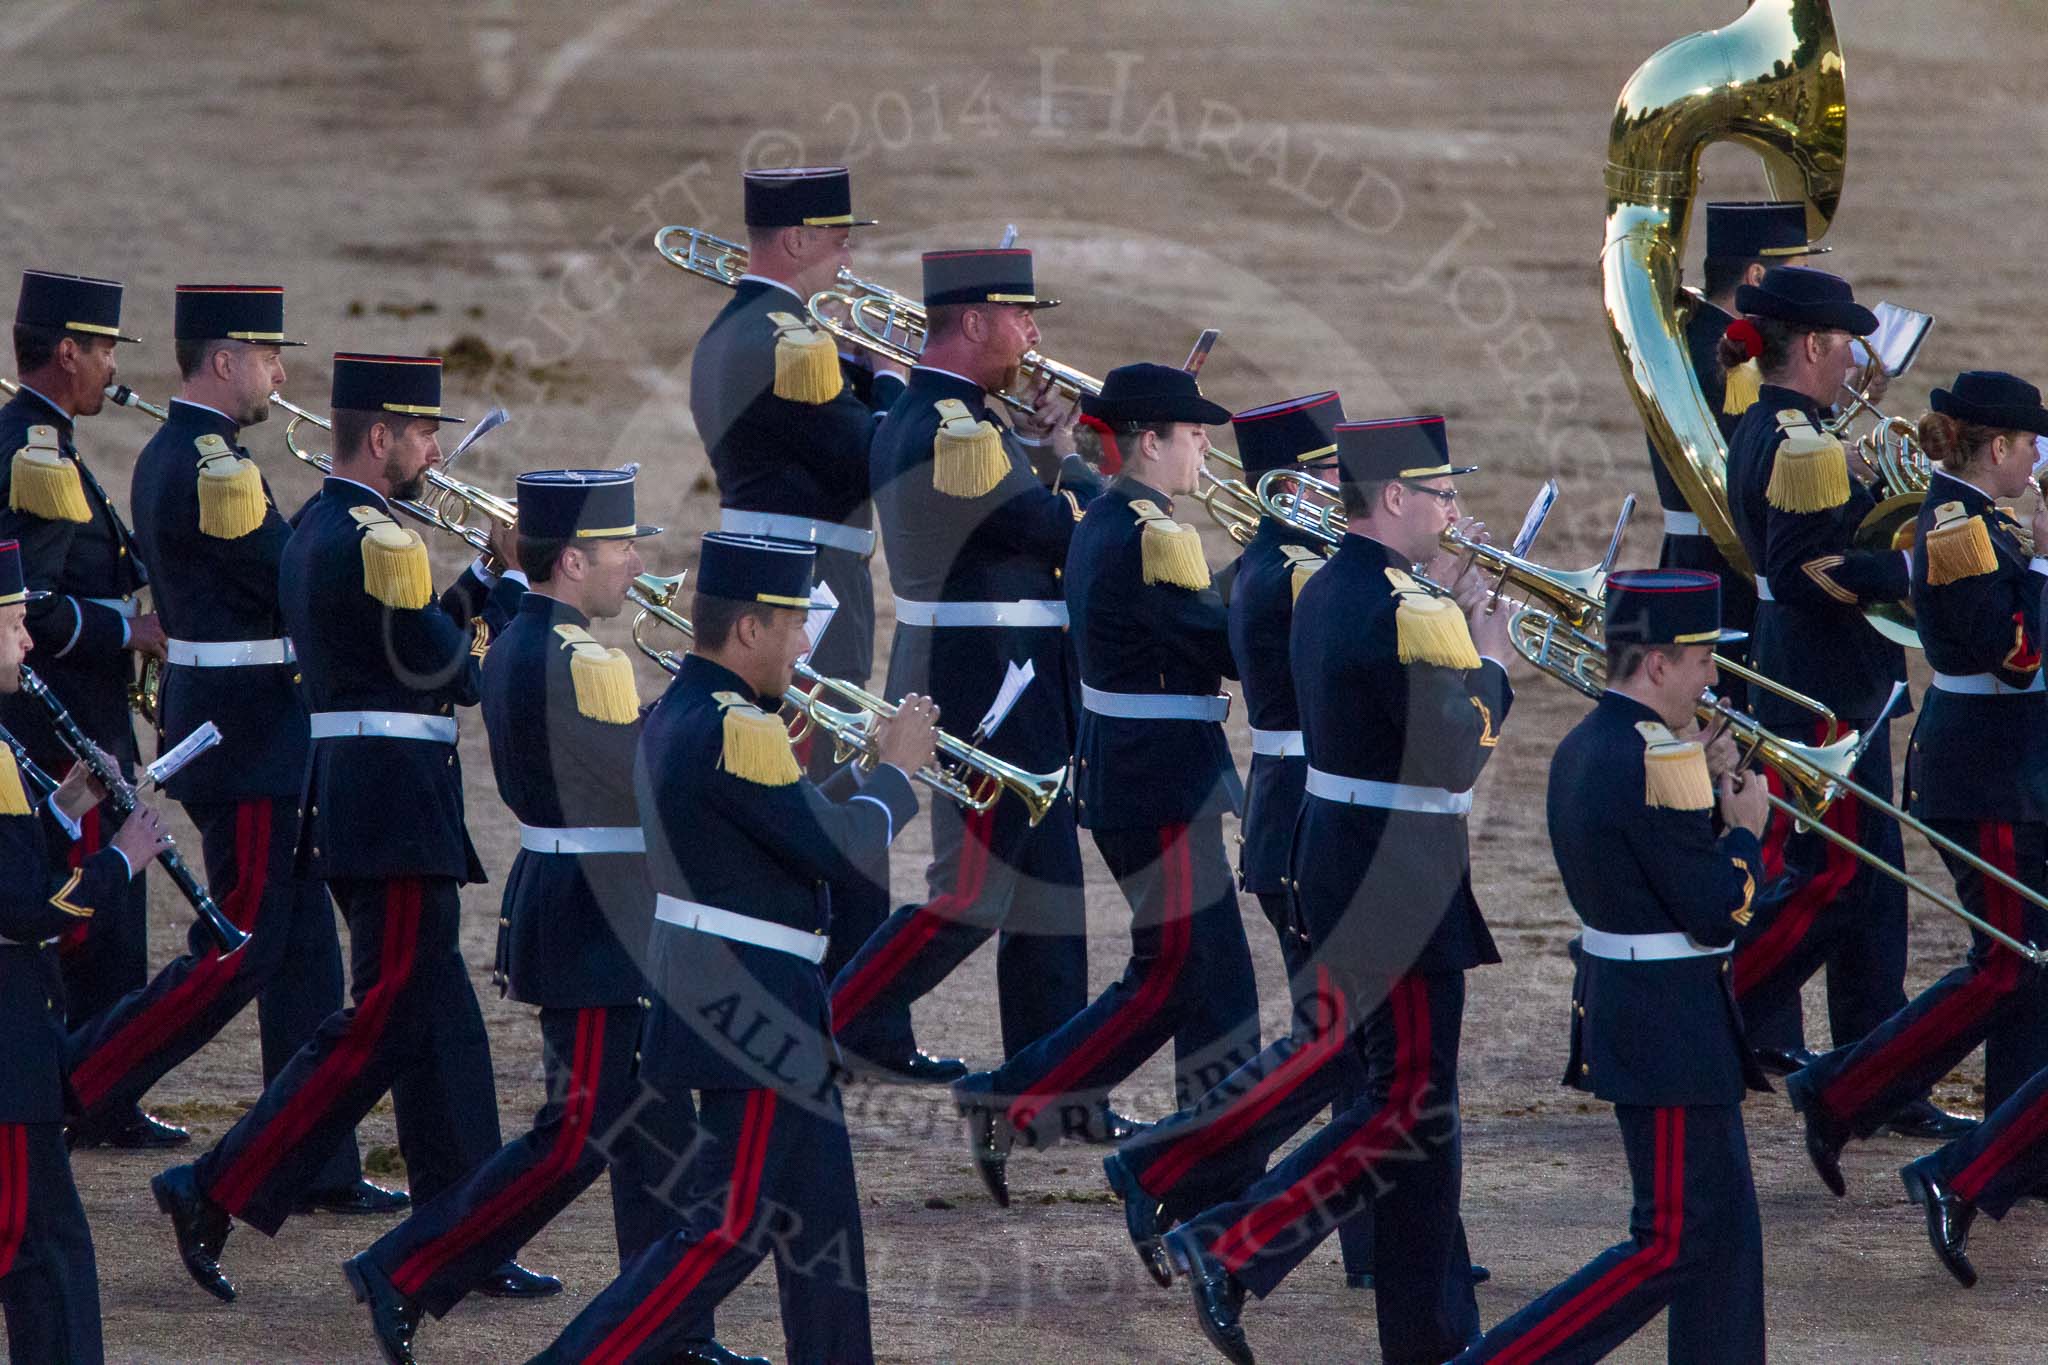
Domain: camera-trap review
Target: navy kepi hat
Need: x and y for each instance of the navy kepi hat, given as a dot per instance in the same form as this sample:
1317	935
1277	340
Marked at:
1291	432
1994	399
1747	231
1806	297
579	504
801	196
996	274
409	385
13	587
749	569
231	312
1395	448
1665	607
1147	392
76	303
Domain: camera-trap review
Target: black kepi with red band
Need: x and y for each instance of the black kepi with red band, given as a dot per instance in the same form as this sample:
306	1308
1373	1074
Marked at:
409	385
1665	607
1396	448
801	196
73	303
1296	431
231	312
1758	230
13	588
580	504
750	569
981	275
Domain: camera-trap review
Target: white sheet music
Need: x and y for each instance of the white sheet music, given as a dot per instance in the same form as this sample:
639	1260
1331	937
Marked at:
1897	338
193	745
824	602
1015	680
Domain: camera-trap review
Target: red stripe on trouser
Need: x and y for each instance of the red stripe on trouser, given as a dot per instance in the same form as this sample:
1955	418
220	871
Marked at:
2018	1136
118	1055
1176	931
1850	1091
977	829
1409	1004
749	1155
578	1109
1331	1035
14	1197
1756	960
84	846
1668	1227
237	1185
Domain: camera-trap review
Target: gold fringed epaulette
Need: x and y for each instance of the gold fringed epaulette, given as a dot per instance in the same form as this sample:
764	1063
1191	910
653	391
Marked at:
806	362
1959	546
231	502
1745	384
602	679
1430	629
395	569
1304	562
13	796
45	484
1809	473
1675	775
968	458
756	744
1170	551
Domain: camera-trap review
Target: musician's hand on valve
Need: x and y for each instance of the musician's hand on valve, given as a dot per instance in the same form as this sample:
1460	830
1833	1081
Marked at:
1051	419
908	739
504	551
142	836
1448	566
1742	802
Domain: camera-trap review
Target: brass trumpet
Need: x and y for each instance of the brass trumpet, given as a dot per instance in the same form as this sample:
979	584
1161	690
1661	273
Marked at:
968	775
447	503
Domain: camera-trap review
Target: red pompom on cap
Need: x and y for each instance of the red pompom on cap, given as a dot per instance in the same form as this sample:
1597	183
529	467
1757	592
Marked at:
1743	333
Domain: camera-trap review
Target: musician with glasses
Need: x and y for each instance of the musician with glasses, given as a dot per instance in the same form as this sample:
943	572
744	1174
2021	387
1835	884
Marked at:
1403	693
384	667
1977	772
90	628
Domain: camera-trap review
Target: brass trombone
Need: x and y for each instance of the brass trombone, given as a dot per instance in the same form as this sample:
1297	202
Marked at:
970	776
447	503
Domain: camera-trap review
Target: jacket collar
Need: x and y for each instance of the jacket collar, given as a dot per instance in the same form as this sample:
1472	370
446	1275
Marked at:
701	674
202	418
351	492
1777	398
1137	490
52	413
927	382
553	610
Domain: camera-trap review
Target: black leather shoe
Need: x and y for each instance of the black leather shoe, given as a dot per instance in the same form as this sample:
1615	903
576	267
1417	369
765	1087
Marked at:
361	1197
919	1068
201	1227
1219	1295
144	1132
514	1281
1923	1118
393	1316
1362	1279
712	1353
1823	1148
1143	1218
1783	1061
1949	1216
988	1135
1104	1127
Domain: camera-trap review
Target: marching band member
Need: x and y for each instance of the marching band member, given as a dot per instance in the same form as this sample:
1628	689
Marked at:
90	626
742	850
1403	694
1153	776
976	541
1974	772
1655	1028
205	516
49	1284
384	668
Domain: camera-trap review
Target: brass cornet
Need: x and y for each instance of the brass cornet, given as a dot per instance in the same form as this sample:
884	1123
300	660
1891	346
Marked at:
968	775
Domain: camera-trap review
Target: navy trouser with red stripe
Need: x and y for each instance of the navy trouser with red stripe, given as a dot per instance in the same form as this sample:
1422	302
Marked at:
1828	909
107	956
1211	1150
2004	1158
414	1030
49	1282
1188	981
291	966
774	1176
1994	998
991	871
1696	1246
1396	1149
588	1055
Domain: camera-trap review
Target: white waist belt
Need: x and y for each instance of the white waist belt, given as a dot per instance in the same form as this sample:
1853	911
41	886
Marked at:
1277	743
1154	705
1984	685
228	653
911	613
1644	947
1763	589
383	725
583	839
1682	524
125	606
709	919
1363	791
806	529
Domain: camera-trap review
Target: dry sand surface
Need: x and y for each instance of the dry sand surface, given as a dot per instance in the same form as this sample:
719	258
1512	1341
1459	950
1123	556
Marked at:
1401	200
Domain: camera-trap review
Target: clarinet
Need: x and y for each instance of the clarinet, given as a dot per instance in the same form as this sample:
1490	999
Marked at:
122	795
